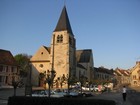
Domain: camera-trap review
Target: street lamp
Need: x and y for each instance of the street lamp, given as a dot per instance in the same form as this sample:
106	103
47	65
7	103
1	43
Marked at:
49	79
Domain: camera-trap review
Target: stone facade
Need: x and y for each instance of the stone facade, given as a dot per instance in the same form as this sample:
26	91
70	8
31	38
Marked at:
62	55
135	74
122	76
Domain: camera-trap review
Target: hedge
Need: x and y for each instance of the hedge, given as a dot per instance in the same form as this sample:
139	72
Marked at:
21	100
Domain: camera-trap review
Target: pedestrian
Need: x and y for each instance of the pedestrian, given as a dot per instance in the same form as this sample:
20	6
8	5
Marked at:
124	93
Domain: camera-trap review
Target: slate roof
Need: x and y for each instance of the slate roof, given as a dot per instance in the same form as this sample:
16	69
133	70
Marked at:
47	48
63	22
6	58
81	66
103	70
83	56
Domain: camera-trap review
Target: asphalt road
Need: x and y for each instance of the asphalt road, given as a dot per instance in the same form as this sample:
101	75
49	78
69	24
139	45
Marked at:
6	93
133	97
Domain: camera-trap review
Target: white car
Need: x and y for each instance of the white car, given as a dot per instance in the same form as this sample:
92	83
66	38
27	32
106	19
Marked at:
39	93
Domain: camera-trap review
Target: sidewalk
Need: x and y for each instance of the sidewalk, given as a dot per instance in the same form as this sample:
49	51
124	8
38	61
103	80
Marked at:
116	96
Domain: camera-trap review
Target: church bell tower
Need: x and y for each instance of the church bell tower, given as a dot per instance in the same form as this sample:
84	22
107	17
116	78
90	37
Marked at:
63	49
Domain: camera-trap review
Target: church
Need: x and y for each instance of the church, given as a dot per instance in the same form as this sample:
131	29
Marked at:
61	56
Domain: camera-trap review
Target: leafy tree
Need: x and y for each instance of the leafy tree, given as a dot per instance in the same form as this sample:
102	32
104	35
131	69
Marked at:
23	62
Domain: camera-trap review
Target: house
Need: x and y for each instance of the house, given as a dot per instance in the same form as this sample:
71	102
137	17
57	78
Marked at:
122	76
103	75
8	68
135	74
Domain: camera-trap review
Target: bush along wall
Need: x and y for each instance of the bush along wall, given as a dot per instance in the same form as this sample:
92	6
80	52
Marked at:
20	100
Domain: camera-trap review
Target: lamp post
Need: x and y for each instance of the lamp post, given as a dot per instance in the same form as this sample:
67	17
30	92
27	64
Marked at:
49	79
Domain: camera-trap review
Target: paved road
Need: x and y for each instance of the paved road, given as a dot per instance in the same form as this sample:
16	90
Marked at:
133	97
5	93
117	97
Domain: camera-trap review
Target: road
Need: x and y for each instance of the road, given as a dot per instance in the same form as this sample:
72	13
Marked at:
5	93
133	97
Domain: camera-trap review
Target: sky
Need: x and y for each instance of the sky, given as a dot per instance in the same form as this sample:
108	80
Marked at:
111	28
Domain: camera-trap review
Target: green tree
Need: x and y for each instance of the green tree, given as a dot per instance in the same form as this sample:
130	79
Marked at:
70	81
23	62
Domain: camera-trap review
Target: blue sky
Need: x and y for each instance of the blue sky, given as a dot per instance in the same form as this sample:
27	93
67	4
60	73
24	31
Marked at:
111	28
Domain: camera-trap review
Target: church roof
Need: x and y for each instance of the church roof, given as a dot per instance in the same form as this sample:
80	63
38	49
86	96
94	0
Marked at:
48	49
83	56
63	22
81	66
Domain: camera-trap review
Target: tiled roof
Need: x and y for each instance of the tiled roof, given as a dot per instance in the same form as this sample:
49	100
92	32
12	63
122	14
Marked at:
6	58
122	72
63	22
83	56
117	73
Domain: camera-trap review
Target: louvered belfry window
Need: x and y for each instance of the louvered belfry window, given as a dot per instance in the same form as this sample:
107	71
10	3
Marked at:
59	38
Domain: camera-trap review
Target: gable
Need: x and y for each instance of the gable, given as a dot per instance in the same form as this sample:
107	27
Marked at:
136	68
43	54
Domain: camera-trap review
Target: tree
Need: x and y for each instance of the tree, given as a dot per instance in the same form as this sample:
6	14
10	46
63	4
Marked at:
42	77
82	80
50	75
61	80
23	62
15	83
70	81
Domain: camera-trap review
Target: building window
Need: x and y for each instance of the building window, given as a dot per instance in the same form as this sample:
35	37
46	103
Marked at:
134	76
14	70
3	68
59	38
1	78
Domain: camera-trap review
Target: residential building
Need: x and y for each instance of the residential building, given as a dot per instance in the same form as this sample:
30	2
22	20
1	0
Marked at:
122	76
8	68
135	74
103	75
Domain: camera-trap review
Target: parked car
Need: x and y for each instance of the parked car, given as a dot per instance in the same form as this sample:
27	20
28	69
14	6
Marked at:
95	88
39	93
58	93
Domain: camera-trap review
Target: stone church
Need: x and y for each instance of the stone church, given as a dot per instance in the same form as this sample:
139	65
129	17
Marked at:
62	56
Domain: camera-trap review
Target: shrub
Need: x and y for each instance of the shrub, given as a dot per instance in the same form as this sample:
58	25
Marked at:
20	100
